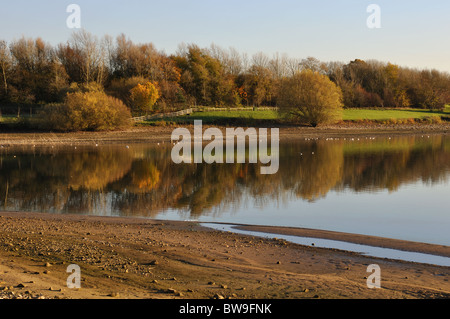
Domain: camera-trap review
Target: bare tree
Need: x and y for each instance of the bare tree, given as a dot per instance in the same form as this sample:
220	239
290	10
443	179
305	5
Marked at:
5	64
260	59
278	65
313	64
293	66
92	55
231	59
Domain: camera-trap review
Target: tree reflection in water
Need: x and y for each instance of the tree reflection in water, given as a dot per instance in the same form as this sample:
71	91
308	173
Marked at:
143	181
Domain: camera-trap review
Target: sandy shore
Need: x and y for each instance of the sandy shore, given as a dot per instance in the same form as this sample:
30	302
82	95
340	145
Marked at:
163	134
139	258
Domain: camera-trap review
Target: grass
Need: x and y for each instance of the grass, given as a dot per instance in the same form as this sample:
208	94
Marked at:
221	117
269	116
380	114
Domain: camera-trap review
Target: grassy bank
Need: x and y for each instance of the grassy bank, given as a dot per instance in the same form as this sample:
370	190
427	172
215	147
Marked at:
261	118
271	116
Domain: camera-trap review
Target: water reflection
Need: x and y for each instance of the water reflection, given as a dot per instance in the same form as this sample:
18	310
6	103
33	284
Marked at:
143	181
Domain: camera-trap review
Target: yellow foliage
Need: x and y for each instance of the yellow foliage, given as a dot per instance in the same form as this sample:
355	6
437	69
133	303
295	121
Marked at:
144	97
311	97
88	111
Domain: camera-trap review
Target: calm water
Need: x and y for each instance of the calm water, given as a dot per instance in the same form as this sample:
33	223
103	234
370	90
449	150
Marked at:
396	188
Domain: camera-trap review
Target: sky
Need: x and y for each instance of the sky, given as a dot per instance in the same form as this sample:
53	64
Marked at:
413	33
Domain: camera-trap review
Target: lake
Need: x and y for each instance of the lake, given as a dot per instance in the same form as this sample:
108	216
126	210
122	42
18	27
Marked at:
390	187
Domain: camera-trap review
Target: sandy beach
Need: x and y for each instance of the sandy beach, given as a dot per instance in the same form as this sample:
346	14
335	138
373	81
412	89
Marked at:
134	258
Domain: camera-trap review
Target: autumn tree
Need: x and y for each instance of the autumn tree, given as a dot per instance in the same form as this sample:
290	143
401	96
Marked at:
310	97
121	88
143	98
204	78
37	74
260	85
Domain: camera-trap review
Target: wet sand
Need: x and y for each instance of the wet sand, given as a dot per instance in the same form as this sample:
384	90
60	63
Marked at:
140	258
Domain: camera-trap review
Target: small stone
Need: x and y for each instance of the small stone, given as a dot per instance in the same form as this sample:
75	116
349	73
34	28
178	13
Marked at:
154	262
224	287
278	262
316	297
114	294
20	286
306	290
217	296
48	264
211	283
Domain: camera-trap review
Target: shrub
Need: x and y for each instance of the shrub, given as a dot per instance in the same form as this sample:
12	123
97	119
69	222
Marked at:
89	111
311	97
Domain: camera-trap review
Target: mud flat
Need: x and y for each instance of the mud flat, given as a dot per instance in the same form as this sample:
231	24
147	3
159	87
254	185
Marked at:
163	134
140	258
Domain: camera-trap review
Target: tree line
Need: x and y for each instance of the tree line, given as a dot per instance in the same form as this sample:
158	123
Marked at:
32	72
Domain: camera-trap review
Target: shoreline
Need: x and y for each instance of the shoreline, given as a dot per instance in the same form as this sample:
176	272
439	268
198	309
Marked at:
141	258
353	238
154	134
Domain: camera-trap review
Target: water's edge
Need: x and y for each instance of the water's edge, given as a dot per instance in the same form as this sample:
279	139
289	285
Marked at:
365	250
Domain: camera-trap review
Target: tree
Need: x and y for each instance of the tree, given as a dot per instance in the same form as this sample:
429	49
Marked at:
144	97
5	65
204	77
37	75
311	97
84	57
121	88
313	64
259	83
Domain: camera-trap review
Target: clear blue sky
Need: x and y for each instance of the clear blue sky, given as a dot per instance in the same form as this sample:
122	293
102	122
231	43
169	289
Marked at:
414	33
